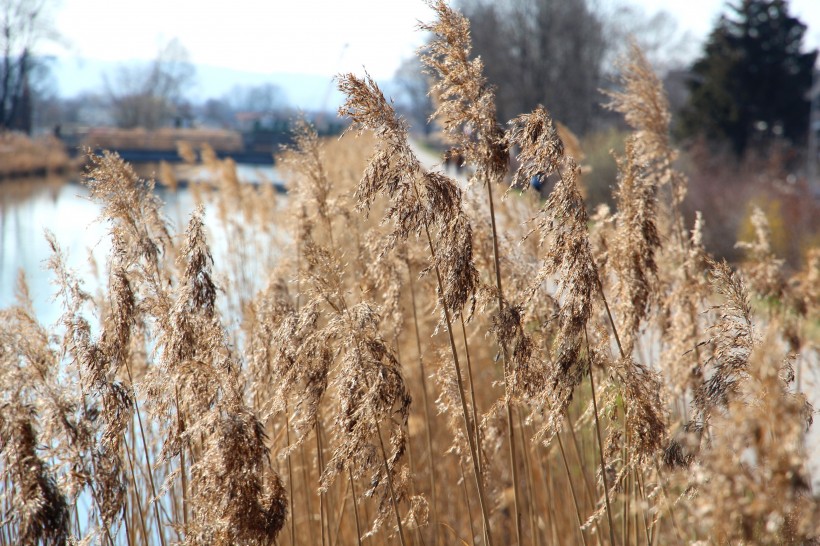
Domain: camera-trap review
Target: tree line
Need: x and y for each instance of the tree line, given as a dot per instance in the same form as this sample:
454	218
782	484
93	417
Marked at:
151	94
749	85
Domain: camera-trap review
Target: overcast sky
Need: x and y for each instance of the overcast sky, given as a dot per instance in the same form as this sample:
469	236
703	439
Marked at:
303	36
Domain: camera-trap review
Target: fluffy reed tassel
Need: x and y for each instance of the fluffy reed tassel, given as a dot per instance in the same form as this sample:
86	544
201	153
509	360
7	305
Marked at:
420	200
733	338
97	363
38	507
563	221
44	438
806	285
753	485
635	244
374	405
466	104
232	501
762	267
129	204
645	108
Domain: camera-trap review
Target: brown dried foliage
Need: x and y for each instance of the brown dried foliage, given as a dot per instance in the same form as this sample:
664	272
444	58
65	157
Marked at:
208	371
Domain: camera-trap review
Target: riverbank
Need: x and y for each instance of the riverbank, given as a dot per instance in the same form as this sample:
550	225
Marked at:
24	157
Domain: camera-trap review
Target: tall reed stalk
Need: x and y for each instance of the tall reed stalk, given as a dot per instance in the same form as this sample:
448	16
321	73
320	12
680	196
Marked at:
161	405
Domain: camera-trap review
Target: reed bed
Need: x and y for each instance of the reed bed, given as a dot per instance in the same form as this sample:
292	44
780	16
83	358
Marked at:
23	156
391	356
165	138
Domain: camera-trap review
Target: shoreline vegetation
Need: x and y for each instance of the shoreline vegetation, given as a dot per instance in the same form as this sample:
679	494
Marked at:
396	357
166	139
24	157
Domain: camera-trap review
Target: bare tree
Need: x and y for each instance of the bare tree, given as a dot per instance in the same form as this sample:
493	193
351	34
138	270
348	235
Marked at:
541	51
150	96
219	113
264	98
559	53
23	24
657	34
412	99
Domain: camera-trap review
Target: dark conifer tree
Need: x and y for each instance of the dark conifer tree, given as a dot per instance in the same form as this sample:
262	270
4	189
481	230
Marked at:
752	82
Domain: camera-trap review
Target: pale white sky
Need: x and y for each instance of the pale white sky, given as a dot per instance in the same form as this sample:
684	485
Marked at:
322	37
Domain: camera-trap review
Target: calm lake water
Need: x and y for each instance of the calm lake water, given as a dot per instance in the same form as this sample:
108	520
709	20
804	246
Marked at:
29	208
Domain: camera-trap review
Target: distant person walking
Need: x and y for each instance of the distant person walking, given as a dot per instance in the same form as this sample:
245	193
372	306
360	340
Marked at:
453	158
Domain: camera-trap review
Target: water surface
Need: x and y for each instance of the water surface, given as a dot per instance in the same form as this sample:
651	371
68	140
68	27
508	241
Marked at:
30	208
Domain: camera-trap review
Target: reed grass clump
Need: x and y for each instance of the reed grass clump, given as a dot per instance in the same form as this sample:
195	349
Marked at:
388	355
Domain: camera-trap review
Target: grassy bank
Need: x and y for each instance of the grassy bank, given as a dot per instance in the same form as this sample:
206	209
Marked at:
23	156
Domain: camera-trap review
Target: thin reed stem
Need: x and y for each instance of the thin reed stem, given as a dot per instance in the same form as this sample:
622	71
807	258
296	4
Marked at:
307	491
427	417
465	414
642	493
320	462
150	471
530	480
290	479
467	501
390	484
182	467
582	466
544	460
669	506
330	500
611	320
473	399
128	539
507	394
340	517
136	490
514	467
600	441
355	507
626	495
572	490
634	490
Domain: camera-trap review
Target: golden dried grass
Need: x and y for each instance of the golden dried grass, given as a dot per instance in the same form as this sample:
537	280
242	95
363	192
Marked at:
283	389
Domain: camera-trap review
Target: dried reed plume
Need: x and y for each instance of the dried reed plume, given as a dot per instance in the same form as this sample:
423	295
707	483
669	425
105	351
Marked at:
466	103
373	406
636	241
752	484
763	268
373	401
232	501
732	339
163	405
38	508
421	201
563	222
645	108
96	364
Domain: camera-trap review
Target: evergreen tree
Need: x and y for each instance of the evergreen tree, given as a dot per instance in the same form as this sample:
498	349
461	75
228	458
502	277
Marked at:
751	83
